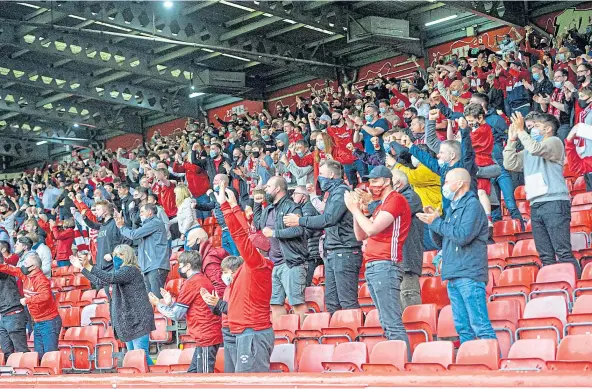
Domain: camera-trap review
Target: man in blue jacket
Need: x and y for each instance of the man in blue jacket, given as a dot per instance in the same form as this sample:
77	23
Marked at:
153	251
463	235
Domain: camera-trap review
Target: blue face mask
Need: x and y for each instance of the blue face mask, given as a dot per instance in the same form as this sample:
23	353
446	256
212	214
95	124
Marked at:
117	262
368	117
387	148
382	109
265	137
325	183
560	57
442	163
558	84
536	135
216	188
455	93
321	145
536	76
300	154
213	154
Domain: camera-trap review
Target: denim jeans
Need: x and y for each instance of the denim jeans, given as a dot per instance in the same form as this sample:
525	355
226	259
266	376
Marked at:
47	334
13	334
154	280
351	171
469	309
550	230
228	244
342	270
141	343
384	283
504	181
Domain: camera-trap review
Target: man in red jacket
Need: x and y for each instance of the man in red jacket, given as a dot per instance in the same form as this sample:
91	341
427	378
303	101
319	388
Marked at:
40	301
576	163
250	294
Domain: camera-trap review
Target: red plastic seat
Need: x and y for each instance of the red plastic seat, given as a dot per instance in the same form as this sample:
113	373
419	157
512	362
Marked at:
81	345
313	357
70	316
101	297
107	350
70	298
574	354
476	355
87	297
314	296
387	357
581	221
525	254
184	361
343	326
420	323
557	279
427	267
318	277
505	230
582	202
51	364
81	282
434	291
579	186
371	333
285	328
134	362
102	316
514	284
310	331
529	354
347	357
174	286
584	284
543	317
161	334
446	328
219	364
579	322
431	357
26	363
504	315
364	298
165	359
497	254
283	358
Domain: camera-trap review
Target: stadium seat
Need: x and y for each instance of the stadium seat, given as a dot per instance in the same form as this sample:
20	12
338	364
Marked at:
420	323
504	315
497	254
313	356
514	284
70	316
174	286
70	299
101	297
524	254
314	296
107	350
102	316
543	317
134	362
476	355
87	313
573	354
387	357
26	363
505	230
343	326
285	328
582	202
161	335
552	280
219	364
87	298
283	358
80	282
347	357
433	291
529	354
584	284
579	186
51	364
82	347
184	361
310	331
427	267
371	333
364	299
431	357
581	221
318	277
446	329
579	322
165	359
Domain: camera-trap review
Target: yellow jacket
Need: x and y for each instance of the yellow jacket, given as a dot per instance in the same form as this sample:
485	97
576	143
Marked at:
426	184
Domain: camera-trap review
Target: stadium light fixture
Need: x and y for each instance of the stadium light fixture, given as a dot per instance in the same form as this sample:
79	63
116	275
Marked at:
447	18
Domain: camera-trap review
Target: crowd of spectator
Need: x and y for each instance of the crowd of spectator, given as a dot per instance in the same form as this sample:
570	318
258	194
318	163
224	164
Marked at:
369	175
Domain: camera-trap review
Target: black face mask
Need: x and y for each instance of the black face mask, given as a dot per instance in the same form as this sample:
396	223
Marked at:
581	79
282	147
408	120
235	158
583	103
313	143
182	274
255	154
25	270
335	122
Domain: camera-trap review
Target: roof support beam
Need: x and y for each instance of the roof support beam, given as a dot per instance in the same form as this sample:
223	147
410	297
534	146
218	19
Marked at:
249	28
513	13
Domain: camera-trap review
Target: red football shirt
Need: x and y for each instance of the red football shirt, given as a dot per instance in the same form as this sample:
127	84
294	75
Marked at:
202	324
166	197
482	140
341	137
388	245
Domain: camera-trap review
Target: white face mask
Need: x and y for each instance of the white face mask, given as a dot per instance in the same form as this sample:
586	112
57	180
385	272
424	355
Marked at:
414	161
226	278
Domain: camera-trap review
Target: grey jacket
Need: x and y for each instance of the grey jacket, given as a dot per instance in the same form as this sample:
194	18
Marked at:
153	248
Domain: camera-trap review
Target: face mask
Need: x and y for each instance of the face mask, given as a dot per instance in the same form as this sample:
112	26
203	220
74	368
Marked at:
443	163
358	107
227	279
213	154
583	103
25	270
265	137
235	158
455	93
536	135
182	274
322	126
407	120
581	79
415	161
256	154
321	146
300	154
413	100
382	109
282	147
448	193
153	165
387	148
558	84
335	122
216	188
536	76
475	125
325	183
561	56
117	262
368	117
142	219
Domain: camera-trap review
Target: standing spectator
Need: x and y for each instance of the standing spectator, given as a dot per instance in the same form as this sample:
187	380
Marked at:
64	237
185	209
131	314
542	161
213	164
165	190
374	126
44	253
463	236
342	249
302	197
288	248
40	302
385	234
153	249
127	203
541	87
203	326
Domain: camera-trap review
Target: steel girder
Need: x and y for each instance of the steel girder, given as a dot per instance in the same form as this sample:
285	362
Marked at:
82	85
92	114
513	13
31	124
196	29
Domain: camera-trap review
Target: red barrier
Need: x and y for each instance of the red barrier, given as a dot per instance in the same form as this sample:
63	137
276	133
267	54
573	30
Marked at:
325	381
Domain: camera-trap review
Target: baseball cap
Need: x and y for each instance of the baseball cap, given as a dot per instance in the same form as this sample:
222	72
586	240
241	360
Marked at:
325	117
380	172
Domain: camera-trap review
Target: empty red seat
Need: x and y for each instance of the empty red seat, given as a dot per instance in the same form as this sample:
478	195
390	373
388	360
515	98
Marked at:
420	323
427	267
313	357
78	347
529	354
433	291
543	317
573	354
364	298
107	350
285	328
525	253
504	315
86	298
387	357
446	328
318	277
581	221
556	279
514	284
161	334
314	296
26	363
579	322
343	326
582	202
497	254
70	298
579	186
51	364
431	357
347	357
310	332
283	358
70	316
165	359
505	230
102	316
475	355
219	364
134	362
101	297
371	333
584	284
184	361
